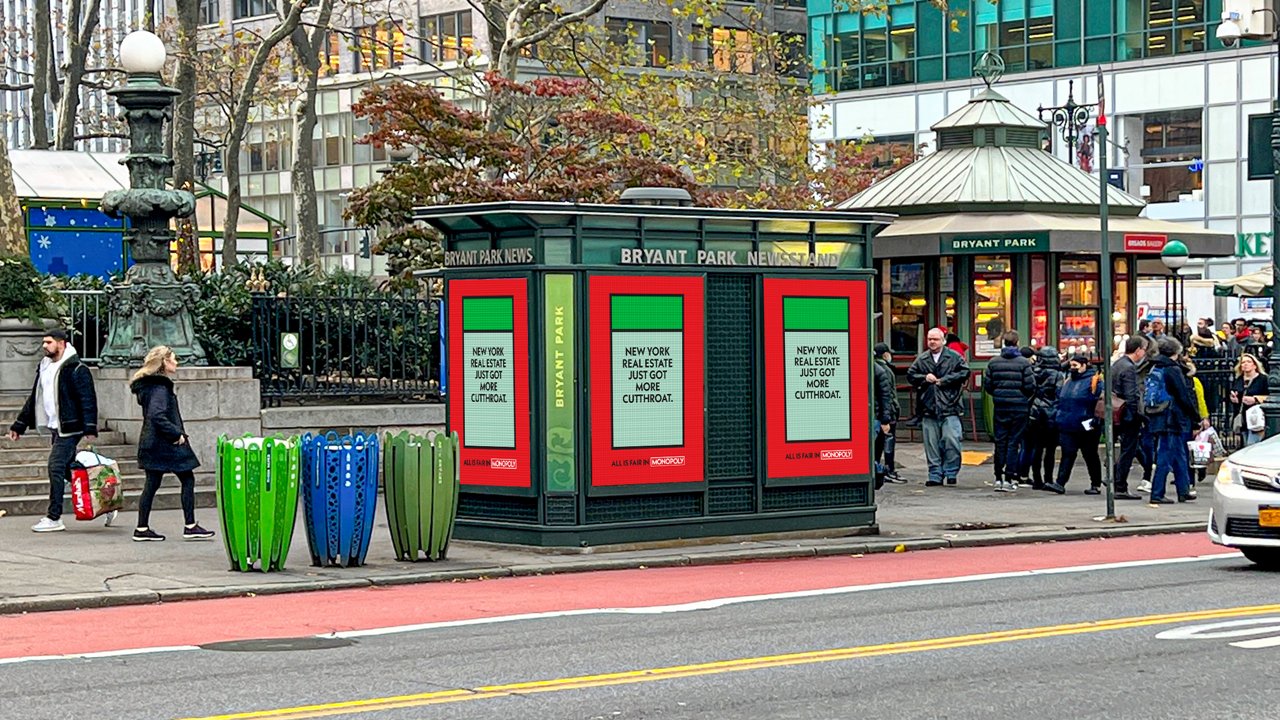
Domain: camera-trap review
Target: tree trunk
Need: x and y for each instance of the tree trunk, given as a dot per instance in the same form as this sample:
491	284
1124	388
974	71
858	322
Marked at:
40	83
80	28
184	130
239	126
306	49
13	239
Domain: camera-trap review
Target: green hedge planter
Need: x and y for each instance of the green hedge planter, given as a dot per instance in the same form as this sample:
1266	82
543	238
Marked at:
420	474
257	488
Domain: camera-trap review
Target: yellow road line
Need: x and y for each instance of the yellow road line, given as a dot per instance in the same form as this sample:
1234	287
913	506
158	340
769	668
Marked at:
353	707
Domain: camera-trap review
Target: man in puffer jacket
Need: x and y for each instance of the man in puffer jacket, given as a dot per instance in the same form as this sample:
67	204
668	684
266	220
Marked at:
1043	431
1011	384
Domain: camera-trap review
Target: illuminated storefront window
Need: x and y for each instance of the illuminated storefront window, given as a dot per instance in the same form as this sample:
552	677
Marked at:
992	303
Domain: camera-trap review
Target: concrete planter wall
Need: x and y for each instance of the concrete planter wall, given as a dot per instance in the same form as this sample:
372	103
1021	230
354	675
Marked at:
19	354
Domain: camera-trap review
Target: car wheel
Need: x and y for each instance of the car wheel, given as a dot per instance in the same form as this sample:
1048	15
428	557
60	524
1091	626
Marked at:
1268	558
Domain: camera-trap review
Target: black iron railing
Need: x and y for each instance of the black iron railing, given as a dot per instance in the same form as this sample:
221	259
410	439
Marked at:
354	348
1216	376
87	314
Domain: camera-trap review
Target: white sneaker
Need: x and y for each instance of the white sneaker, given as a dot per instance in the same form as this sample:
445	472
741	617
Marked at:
1004	486
110	518
48	525
1144	486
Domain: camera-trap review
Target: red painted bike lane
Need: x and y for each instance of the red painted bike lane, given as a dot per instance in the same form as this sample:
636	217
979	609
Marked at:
200	622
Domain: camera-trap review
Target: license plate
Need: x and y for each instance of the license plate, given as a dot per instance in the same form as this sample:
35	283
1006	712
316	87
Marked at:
1269	517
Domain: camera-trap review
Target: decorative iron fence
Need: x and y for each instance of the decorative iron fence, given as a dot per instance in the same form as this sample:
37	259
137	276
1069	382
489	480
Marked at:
87	314
1216	375
379	348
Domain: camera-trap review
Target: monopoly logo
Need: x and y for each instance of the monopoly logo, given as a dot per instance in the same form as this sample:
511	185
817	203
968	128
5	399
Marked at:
669	461
502	464
836	455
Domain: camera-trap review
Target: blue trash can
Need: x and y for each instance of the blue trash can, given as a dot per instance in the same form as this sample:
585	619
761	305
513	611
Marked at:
339	496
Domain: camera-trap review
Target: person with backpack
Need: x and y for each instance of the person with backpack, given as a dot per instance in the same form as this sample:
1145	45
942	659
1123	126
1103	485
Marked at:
887	412
1126	386
1078	428
1169	403
1042	427
1011	384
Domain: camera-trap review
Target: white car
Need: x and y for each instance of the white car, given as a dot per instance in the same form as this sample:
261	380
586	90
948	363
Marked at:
1246	503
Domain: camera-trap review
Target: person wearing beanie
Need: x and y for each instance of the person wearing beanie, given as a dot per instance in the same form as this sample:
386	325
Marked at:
1011	383
1172	414
1042	430
1078	428
887	413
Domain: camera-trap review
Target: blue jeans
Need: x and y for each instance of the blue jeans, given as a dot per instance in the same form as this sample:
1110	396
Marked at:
1171	455
942	446
1251	437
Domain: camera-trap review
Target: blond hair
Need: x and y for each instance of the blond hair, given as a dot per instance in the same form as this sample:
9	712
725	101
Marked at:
153	363
1257	364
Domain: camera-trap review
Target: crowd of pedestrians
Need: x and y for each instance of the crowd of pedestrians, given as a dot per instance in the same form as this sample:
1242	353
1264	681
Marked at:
1042	402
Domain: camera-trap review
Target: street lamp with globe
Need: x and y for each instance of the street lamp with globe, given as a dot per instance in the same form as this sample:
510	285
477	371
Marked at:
1175	255
150	306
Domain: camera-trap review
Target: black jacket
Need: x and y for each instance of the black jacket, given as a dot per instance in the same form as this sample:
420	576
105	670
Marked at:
77	401
1010	382
1126	386
1048	374
161	427
886	393
1183	412
943	399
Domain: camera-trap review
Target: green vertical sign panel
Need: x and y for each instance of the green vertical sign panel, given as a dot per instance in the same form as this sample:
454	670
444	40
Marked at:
559	384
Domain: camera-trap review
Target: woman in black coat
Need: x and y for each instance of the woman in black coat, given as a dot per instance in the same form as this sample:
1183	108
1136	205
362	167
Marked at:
163	445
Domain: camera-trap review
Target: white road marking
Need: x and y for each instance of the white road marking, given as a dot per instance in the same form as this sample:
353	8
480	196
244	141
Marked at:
1231	629
664	609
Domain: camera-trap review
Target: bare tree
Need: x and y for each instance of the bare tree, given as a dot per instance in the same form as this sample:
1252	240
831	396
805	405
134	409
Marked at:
240	123
184	126
13	240
40	82
306	50
81	24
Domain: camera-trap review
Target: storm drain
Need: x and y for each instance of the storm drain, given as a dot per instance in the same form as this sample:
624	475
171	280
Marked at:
978	526
297	644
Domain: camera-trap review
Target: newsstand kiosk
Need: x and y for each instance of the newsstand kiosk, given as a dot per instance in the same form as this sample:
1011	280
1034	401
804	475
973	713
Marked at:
625	373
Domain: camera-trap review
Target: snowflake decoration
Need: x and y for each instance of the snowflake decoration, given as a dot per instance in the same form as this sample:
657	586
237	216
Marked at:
73	222
43	242
50	219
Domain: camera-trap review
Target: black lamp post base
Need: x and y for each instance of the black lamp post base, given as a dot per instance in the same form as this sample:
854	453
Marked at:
151	307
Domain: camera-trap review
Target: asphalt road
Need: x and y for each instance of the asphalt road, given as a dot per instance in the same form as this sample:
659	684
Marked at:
964	633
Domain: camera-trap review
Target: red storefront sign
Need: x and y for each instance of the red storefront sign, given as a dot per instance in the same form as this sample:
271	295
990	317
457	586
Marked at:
1138	243
647	380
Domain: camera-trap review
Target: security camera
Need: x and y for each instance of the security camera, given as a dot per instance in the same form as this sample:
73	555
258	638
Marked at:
1229	31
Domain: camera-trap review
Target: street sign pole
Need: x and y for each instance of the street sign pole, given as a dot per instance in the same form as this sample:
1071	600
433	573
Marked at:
1105	308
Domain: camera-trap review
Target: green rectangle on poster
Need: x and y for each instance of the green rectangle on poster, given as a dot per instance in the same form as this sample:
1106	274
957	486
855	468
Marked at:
560	384
481	314
815	313
647	312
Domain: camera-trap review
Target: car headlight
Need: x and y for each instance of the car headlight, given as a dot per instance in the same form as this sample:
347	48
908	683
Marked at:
1228	474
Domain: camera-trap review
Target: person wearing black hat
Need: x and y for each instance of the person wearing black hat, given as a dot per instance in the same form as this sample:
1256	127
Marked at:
63	400
1011	383
887	411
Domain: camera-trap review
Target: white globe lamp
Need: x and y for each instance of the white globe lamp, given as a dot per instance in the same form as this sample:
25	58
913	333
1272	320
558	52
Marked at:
142	52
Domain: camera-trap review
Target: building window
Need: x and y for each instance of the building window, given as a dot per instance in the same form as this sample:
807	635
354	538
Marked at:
208	11
651	41
447	37
331	54
1157	28
790	56
790	4
379	47
906	307
1171	145
254	8
732	51
1078	306
992	302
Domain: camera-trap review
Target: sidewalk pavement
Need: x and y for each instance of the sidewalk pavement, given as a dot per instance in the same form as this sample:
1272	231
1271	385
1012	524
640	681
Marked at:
92	566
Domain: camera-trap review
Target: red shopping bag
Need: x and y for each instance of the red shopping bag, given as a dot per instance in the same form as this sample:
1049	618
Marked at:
95	486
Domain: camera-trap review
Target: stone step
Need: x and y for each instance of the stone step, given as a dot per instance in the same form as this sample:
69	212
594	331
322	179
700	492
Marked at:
24	455
32	440
168	498
132	484
33	470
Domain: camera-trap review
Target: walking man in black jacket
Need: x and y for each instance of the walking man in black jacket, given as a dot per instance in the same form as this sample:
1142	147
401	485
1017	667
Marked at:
1011	383
887	411
939	375
1126	386
62	400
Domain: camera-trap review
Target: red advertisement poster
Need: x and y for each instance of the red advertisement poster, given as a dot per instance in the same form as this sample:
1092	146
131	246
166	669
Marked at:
647	380
817	378
489	380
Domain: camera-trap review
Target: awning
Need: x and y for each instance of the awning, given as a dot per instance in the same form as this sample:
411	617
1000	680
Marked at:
1254	284
931	235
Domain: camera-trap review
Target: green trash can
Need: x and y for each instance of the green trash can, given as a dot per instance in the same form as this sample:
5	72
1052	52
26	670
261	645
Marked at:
420	474
257	489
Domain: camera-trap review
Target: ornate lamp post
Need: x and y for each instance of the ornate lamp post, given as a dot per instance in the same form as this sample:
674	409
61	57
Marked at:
1071	118
151	306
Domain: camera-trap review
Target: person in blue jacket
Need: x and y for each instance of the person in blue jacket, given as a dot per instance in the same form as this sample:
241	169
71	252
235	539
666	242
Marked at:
1078	427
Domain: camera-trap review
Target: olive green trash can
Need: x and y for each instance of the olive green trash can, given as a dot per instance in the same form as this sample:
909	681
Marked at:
420	474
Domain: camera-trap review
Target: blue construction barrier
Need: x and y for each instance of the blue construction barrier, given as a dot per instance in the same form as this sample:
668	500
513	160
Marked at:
339	495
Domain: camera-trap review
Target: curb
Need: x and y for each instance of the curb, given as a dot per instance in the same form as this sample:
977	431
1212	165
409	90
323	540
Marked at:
852	546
